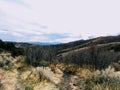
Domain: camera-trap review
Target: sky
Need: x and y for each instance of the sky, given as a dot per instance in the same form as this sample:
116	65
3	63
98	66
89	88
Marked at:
58	20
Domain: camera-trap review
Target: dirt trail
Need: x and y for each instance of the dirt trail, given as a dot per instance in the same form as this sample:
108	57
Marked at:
10	79
72	82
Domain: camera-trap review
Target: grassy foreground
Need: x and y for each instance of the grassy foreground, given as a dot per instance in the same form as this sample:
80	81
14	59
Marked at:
16	75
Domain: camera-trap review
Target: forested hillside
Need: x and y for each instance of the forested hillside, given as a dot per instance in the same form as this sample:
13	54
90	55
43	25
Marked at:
98	52
83	65
10	47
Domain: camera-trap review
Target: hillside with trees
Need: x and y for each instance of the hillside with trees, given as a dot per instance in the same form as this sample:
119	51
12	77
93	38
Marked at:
10	47
98	52
92	64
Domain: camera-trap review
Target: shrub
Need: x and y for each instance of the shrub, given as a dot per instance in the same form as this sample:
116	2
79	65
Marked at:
44	63
53	69
71	69
102	83
107	80
6	64
1	84
45	74
29	86
1	87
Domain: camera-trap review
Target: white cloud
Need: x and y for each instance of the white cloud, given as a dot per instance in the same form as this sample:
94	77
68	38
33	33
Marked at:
17	34
79	18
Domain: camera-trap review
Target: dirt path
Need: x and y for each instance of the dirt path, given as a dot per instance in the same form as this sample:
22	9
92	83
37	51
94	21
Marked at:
11	80
59	80
72	82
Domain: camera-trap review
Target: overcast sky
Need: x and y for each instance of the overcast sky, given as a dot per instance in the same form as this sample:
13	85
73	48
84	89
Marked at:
58	20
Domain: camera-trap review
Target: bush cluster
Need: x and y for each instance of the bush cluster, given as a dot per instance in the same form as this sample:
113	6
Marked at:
107	80
5	64
71	69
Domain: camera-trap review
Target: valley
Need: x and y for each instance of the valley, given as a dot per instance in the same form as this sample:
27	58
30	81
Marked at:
92	64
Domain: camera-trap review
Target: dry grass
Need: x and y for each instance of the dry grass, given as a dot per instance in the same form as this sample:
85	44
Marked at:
107	79
45	86
24	77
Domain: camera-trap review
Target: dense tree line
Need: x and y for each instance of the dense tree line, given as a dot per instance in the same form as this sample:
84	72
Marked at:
10	47
94	56
38	55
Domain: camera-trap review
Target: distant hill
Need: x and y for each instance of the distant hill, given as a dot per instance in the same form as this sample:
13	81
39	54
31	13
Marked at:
85	43
67	47
100	50
44	43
